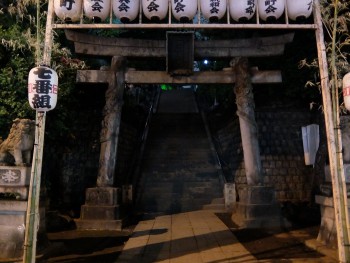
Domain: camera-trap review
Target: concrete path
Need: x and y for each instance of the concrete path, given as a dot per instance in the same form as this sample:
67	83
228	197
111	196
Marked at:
191	237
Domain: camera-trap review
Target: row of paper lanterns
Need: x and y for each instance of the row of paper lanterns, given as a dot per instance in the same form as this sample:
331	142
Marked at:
182	10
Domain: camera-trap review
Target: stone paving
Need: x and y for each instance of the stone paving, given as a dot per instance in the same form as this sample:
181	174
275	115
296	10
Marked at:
197	236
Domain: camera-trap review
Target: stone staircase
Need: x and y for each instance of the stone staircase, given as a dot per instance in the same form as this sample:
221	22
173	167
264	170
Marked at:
179	171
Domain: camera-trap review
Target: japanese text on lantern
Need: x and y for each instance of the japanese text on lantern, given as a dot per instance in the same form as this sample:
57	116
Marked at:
97	6
251	7
179	7
42	89
214	6
124	5
152	6
270	4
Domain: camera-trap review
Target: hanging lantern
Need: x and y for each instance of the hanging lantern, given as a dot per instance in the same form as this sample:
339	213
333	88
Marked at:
299	10
68	11
271	10
42	88
242	10
346	91
155	10
126	10
97	10
213	10
184	10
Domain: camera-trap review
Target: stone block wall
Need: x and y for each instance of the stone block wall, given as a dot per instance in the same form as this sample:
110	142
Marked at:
281	150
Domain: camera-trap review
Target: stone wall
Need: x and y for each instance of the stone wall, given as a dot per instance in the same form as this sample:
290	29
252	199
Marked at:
281	149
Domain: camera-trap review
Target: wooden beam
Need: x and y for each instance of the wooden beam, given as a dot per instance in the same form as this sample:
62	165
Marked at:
252	47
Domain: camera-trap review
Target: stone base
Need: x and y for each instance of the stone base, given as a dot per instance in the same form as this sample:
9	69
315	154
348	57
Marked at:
257	208
99	224
328	231
11	241
101	210
15	175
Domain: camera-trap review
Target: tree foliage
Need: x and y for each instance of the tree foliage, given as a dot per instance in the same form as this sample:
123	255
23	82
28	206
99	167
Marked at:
18	46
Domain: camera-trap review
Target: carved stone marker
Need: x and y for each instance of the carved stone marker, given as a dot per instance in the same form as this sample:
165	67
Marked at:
14	181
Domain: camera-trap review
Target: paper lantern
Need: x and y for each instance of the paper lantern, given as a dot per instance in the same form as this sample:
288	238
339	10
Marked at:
126	10
68	11
184	10
97	10
213	10
155	10
299	10
242	10
271	10
346	91
42	88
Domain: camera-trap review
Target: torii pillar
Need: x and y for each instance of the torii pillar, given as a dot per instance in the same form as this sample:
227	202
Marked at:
257	207
101	210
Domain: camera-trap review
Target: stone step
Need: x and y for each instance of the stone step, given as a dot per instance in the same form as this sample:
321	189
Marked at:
173	205
211	176
11	205
111	225
182	157
215	184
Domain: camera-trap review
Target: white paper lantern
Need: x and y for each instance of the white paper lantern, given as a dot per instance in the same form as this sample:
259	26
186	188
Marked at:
271	10
242	10
213	10
42	88
184	10
126	10
69	11
299	10
155	10
346	91
97	10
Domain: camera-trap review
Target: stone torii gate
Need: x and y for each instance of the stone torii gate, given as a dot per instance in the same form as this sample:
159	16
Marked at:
101	210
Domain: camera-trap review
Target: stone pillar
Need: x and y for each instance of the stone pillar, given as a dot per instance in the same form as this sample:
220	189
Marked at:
249	129
257	206
101	210
111	124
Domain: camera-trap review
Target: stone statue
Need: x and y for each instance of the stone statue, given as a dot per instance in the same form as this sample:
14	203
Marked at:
345	133
19	144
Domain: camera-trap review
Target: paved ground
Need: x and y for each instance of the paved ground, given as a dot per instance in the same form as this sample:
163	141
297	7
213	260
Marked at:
199	236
